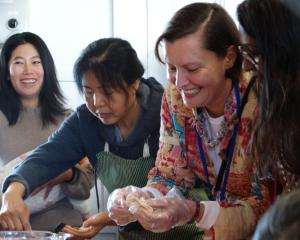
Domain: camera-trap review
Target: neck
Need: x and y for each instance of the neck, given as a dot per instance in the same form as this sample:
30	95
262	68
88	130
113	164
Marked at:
217	109
128	123
30	103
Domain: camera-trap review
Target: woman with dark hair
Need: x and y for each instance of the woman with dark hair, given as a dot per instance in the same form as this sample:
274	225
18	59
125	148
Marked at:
31	109
27	87
270	35
117	129
207	117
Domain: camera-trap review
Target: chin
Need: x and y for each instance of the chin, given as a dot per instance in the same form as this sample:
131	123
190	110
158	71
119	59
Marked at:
190	104
106	122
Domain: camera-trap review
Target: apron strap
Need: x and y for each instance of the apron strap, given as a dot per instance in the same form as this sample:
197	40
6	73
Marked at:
106	147
146	150
96	188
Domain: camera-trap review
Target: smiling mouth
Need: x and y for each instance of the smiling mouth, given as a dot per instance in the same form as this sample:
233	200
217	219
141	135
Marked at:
191	92
28	81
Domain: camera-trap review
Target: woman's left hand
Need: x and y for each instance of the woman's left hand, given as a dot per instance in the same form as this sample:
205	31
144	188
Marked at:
167	212
90	227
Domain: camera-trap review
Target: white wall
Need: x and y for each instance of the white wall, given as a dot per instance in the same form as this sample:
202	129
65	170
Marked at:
12	9
67	26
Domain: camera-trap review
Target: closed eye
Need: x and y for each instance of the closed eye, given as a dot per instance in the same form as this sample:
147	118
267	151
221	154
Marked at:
36	62
88	93
192	69
18	62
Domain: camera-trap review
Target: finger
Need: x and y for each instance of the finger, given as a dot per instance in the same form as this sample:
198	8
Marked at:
158	203
154	225
79	232
120	210
3	225
151	220
91	221
18	224
117	212
24	219
12	223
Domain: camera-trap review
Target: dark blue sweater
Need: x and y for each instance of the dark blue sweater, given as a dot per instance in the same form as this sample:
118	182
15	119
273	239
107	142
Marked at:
83	134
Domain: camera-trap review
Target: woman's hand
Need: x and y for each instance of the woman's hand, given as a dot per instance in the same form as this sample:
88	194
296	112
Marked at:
118	206
90	227
167	212
14	214
63	177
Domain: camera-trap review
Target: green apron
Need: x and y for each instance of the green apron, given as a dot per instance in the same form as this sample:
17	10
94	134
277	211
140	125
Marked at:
117	172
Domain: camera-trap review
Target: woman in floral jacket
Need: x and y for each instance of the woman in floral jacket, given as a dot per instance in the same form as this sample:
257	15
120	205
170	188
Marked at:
207	118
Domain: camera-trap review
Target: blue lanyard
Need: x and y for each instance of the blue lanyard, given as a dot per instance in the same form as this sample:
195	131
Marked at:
230	151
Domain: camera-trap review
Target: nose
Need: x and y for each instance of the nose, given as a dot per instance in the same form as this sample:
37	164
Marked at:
98	100
27	68
181	79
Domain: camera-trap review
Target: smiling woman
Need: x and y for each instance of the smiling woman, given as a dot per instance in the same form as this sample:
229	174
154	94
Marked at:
204	136
28	88
31	109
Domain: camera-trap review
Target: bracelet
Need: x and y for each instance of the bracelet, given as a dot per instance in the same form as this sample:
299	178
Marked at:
197	212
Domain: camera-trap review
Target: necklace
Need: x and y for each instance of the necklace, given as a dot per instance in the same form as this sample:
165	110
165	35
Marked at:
205	129
201	122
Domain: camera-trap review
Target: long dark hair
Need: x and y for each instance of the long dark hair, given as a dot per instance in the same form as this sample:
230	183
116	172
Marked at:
113	61
51	99
219	31
276	31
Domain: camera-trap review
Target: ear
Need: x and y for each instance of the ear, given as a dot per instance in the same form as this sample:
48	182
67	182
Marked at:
136	84
230	56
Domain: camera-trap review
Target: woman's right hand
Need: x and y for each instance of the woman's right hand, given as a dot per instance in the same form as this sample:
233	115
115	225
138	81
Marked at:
14	214
118	208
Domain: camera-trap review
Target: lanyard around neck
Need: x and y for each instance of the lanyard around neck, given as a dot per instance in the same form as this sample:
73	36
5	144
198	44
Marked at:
225	167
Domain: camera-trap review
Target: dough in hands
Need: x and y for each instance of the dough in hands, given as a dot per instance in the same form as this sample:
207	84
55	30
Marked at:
135	203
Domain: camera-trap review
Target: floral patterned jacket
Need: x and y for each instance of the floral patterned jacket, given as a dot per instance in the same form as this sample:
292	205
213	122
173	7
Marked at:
179	163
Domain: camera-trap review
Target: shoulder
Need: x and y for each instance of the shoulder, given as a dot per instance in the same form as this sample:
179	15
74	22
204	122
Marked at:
153	84
150	91
82	112
83	117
